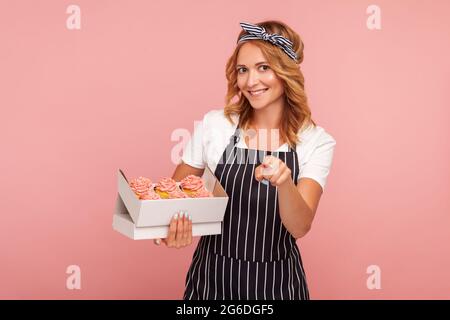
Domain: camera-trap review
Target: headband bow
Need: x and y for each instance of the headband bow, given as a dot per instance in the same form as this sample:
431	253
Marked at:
257	32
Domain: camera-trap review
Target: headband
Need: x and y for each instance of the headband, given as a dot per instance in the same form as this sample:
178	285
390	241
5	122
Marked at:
257	32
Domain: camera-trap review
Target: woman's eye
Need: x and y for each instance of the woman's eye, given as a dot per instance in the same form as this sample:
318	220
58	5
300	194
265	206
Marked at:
262	66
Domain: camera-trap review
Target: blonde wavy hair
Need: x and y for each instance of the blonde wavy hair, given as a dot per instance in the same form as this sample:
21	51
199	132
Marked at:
297	114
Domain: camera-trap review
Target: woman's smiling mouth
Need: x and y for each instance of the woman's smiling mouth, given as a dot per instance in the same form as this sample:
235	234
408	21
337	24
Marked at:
257	93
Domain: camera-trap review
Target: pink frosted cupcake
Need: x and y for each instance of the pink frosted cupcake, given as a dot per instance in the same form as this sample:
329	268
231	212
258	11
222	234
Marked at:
167	188
178	194
202	193
151	195
193	186
140	186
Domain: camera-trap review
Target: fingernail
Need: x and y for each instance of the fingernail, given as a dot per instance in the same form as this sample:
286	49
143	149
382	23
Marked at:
175	216
158	241
190	218
181	214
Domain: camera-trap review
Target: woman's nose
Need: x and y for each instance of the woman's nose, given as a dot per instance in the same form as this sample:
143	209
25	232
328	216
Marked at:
252	79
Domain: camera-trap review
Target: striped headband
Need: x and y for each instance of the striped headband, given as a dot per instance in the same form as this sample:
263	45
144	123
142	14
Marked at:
257	32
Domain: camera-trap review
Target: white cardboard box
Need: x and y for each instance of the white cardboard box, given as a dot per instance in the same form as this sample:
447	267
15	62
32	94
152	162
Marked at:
149	219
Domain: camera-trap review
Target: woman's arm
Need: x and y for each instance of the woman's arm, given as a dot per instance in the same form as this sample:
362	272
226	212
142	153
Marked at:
183	170
298	205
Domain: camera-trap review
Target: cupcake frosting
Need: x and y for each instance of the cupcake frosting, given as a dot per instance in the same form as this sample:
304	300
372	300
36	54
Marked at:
167	185
192	182
150	196
144	189
140	186
202	193
177	194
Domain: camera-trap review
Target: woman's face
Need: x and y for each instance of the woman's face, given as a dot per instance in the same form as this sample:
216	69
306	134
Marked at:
252	75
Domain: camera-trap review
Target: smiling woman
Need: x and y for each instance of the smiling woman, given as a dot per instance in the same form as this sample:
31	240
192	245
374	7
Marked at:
273	65
258	83
256	256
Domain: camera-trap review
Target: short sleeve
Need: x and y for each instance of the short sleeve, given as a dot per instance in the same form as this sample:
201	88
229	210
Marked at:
193	151
318	165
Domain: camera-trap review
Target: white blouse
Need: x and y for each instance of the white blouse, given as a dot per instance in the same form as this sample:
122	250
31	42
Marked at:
212	135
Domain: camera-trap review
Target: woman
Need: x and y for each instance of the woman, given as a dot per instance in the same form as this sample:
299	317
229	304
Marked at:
274	181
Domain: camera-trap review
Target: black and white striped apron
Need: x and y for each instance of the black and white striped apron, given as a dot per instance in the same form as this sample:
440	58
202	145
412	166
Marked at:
254	257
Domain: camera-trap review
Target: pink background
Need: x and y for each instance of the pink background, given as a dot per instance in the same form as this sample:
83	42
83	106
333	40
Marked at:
78	104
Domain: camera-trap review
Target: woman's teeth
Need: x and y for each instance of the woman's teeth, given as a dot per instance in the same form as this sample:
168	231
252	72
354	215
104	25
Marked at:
258	92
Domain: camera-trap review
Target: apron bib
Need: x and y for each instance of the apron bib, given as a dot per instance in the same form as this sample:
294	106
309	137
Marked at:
255	257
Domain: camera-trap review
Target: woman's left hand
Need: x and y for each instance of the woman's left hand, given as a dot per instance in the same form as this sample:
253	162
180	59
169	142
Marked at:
274	170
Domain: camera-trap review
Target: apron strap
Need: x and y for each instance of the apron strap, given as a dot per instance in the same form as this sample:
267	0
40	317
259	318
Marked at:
236	136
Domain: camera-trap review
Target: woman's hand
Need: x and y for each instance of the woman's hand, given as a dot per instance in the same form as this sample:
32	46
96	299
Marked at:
274	170
180	231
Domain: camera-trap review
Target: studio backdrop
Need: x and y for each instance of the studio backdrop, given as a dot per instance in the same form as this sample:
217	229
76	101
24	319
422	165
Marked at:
88	87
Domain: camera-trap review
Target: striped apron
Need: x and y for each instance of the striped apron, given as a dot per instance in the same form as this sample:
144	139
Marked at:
254	257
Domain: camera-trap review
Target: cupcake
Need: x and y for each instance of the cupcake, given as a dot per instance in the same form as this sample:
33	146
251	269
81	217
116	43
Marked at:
193	186
140	186
202	193
151	195
167	188
178	194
